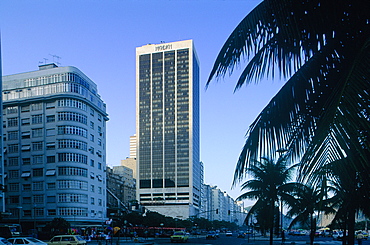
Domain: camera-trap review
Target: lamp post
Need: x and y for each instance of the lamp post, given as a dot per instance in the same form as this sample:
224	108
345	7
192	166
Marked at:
19	214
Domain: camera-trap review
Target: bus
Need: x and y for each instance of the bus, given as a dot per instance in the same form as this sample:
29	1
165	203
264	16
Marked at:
10	230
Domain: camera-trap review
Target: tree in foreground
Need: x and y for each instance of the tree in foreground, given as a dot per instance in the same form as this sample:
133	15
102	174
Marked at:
321	114
269	184
307	203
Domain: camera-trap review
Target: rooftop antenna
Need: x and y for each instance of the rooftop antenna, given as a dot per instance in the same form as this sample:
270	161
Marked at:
56	57
43	62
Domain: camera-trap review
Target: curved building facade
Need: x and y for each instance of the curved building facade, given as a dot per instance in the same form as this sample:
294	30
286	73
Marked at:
54	147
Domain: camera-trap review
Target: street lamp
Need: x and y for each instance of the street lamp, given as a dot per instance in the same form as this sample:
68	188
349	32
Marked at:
19	214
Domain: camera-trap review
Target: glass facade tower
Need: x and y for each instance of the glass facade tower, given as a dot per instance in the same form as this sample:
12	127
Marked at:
168	128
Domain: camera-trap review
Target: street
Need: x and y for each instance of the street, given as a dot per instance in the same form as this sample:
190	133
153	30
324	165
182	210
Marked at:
233	240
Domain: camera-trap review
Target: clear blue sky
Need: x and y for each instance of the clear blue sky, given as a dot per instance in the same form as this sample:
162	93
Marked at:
100	37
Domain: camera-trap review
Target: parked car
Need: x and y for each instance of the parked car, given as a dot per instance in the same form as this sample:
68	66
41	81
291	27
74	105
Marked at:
229	233
67	240
179	236
241	235
337	235
3	241
26	240
211	235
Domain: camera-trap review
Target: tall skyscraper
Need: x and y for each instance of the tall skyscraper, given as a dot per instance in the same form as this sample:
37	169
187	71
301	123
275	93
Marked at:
167	128
2	185
55	124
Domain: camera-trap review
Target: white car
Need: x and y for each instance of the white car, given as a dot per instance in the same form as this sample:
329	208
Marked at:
26	240
229	233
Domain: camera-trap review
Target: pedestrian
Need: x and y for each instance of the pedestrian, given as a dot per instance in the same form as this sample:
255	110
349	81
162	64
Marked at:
359	237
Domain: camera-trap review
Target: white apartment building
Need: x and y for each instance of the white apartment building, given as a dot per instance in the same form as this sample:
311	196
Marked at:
54	147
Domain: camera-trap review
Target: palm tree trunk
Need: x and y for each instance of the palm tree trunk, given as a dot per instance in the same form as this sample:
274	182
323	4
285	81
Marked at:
272	222
313	228
351	226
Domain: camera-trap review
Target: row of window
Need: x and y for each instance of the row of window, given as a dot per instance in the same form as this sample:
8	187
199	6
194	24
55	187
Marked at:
62	171
39	159
63	211
61	185
44	90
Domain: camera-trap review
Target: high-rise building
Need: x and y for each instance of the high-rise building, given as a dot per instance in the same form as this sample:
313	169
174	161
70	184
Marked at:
167	128
55	153
133	146
2	185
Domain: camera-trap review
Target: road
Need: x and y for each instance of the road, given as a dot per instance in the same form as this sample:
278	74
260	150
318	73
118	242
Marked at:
223	240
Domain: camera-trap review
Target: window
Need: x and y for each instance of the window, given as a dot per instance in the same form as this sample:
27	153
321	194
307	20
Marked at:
50	146
65	171
26	147
92	188
91	125
50	172
13	187
99	165
50	105
27	213
12	135
52	212
72	144
25	121
14	199
25	108
27	200
50	132
37	119
13	122
37	146
92	112
37	159
38	186
72	130
50	118
72	157
13	148
50	199
99	190
92	201
92	162
13	161
72	116
26	135
26	174
72	103
37	172
72	184
92	137
51	186
26	187
72	198
38	199
37	132
36	107
39	211
100	202
13	174
26	161
99	141
50	159
12	109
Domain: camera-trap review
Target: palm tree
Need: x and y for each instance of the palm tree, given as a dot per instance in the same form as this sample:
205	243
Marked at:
270	181
348	194
321	114
307	202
